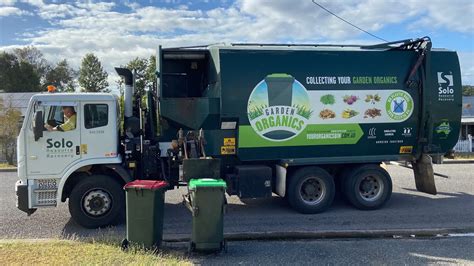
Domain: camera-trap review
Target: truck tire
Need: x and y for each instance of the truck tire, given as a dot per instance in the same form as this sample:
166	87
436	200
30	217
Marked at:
311	190
367	187
97	201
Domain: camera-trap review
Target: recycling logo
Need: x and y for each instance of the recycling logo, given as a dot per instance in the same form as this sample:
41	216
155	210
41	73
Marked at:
279	107
399	106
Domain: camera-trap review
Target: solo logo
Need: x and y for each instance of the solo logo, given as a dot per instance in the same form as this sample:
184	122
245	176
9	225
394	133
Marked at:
445	83
59	144
279	107
399	106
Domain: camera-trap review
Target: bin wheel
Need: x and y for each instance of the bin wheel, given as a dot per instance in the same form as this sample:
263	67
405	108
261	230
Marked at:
224	246
191	247
125	244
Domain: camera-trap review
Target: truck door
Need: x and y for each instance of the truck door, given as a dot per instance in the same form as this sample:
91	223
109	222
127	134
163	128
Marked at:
56	151
99	130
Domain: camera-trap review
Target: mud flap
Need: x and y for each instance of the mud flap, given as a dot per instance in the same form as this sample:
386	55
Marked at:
424	175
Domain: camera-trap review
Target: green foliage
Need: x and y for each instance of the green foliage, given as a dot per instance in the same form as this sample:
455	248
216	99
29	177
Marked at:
467	90
26	70
9	119
34	57
16	75
92	76
139	67
151	72
256	111
328	99
61	76
145	77
303	111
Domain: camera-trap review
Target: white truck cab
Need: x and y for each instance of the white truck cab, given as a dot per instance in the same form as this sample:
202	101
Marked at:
82	164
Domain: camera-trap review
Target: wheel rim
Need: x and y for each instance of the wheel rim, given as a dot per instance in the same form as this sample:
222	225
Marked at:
370	188
96	202
312	190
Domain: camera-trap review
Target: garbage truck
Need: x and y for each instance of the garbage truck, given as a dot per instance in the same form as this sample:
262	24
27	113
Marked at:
301	121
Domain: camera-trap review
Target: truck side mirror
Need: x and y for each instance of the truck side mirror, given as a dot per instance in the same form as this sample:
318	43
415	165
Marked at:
38	126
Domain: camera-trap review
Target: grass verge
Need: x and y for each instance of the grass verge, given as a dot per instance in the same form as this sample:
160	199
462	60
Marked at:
68	252
465	155
6	166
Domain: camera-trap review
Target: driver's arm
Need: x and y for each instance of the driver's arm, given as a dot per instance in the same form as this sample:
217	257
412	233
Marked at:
70	124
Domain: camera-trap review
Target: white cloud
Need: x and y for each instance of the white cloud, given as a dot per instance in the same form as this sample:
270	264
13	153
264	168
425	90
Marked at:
116	38
451	15
7	2
6	11
466	59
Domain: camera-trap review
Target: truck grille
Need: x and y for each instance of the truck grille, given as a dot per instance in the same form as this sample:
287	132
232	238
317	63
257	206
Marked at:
45	198
44	192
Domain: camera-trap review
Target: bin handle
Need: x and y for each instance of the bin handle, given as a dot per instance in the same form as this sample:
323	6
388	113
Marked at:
224	206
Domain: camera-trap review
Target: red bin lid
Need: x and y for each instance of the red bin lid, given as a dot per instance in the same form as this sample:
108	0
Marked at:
146	184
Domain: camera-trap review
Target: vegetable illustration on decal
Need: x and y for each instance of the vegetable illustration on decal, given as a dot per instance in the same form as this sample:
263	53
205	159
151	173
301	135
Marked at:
327	114
373	113
279	107
327	99
350	99
372	98
349	113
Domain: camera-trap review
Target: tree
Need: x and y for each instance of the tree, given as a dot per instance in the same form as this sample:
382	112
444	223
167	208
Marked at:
34	57
9	119
61	76
139	67
467	90
145	77
151	72
16	75
92	77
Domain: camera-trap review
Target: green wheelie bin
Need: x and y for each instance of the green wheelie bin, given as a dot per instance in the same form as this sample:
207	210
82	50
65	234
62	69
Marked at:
206	200
145	208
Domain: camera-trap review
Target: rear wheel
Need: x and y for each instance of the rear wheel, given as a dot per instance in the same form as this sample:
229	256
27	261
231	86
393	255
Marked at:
97	201
367	187
311	190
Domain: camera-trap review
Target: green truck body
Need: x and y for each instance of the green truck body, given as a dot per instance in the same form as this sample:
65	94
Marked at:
343	104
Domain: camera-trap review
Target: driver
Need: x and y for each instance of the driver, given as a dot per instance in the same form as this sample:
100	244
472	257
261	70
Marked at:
69	120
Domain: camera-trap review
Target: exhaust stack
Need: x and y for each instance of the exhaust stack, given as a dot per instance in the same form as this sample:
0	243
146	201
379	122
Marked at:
128	91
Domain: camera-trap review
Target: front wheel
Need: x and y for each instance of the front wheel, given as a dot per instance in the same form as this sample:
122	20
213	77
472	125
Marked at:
367	187
311	190
97	201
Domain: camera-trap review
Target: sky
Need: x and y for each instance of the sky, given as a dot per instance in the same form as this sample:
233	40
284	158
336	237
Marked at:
118	31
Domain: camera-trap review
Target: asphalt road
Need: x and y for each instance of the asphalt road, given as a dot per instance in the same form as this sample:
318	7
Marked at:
453	207
458	250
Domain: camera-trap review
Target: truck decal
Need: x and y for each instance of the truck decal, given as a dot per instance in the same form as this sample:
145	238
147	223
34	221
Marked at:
278	108
445	87
443	129
59	148
282	112
311	135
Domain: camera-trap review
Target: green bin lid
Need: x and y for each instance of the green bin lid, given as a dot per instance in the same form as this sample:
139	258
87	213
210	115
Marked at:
206	182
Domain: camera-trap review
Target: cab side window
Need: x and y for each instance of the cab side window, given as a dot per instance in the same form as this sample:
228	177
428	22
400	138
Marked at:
54	115
57	114
96	115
